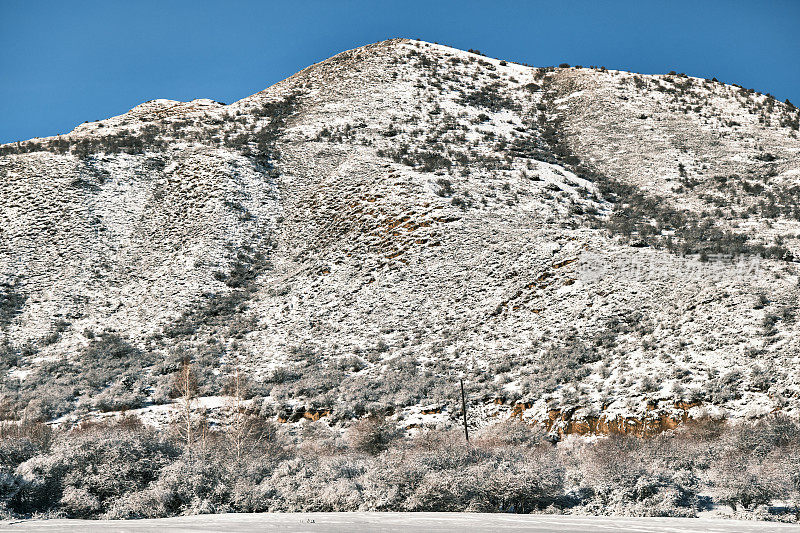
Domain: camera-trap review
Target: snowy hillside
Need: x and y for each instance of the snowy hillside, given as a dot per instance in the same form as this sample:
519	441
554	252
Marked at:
593	250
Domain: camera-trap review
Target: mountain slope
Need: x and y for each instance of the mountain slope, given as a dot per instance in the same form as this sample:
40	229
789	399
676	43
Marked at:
361	234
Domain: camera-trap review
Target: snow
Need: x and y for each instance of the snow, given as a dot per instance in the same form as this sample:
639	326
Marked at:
396	522
561	100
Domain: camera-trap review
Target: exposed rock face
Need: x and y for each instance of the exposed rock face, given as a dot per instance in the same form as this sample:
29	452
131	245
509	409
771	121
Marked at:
361	233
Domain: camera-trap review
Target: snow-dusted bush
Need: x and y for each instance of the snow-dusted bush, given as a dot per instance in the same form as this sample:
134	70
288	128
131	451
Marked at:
757	463
125	471
190	485
512	432
373	434
743	481
626	475
451	475
86	470
109	374
16	450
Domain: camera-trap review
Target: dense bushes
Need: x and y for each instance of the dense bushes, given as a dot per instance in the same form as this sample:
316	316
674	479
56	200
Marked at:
218	309
11	302
648	220
489	97
125	471
108	375
645	219
254	138
631	476
86	471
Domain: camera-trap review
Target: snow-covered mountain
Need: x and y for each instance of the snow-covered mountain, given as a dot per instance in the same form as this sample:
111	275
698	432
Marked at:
591	249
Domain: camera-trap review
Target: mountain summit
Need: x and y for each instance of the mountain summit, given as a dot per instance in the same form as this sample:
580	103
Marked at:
594	250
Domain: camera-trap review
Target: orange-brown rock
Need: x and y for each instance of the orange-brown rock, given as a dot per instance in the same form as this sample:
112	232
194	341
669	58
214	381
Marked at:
653	423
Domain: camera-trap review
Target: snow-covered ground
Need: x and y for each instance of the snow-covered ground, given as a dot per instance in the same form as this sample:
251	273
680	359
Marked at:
405	522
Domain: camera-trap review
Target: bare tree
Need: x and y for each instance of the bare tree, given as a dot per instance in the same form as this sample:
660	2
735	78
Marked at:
186	386
237	430
245	430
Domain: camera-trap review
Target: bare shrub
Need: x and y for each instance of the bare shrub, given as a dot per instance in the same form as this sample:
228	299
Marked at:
373	434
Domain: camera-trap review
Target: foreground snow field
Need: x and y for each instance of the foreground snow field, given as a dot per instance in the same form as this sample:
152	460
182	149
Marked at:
405	522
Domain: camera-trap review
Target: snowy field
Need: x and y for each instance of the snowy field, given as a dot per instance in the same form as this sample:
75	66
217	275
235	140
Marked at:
405	522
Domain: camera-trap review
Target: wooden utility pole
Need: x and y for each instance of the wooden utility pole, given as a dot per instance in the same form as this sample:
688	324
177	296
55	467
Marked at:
464	410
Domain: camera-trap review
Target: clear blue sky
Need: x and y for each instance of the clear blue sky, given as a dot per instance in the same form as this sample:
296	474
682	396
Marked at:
65	62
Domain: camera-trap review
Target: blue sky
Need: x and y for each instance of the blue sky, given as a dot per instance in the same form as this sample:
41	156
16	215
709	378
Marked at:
63	63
